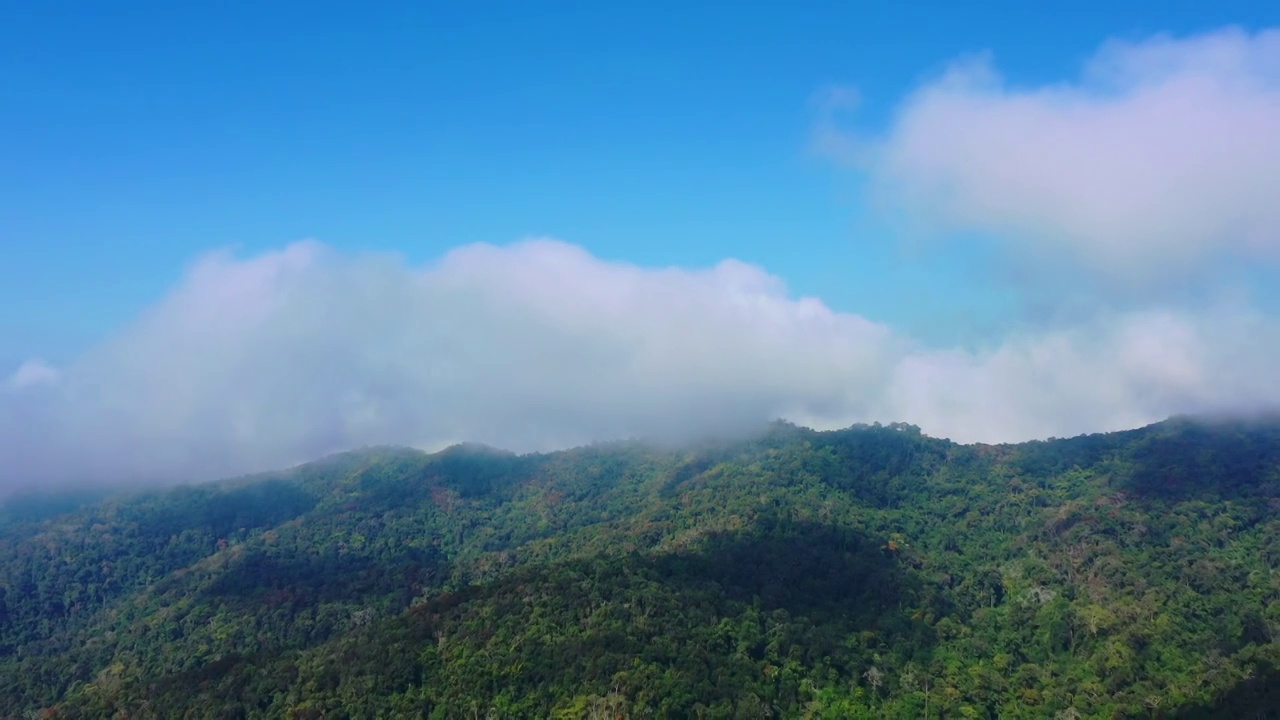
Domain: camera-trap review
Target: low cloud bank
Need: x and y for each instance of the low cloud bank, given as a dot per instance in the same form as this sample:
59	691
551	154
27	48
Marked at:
259	362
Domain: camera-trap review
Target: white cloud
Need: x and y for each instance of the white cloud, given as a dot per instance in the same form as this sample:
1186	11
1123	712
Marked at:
31	373
1159	161
264	361
1162	155
1113	373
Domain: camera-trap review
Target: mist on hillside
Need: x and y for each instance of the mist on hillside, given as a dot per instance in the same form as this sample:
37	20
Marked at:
267	361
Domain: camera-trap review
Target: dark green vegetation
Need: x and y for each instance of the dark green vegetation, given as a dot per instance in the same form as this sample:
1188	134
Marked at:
871	572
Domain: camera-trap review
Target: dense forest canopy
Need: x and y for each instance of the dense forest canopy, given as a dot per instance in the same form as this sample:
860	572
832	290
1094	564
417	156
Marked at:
867	572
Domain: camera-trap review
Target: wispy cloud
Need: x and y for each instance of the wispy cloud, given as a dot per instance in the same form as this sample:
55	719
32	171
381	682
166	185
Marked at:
29	374
263	361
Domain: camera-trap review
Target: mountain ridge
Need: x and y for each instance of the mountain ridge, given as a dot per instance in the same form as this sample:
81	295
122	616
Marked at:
1041	558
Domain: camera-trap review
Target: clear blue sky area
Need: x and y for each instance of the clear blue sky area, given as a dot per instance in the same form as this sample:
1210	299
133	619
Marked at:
135	136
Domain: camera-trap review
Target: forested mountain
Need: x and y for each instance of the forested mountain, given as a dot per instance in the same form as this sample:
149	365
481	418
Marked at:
868	572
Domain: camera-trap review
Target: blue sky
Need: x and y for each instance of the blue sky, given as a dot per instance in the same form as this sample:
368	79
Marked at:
138	135
996	220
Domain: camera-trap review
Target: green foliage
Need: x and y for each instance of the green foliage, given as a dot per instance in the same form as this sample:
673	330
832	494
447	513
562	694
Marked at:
872	572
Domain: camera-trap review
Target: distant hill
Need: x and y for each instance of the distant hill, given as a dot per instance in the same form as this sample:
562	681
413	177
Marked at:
869	572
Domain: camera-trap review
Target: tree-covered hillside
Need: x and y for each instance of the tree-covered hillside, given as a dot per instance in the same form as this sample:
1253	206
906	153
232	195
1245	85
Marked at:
870	572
